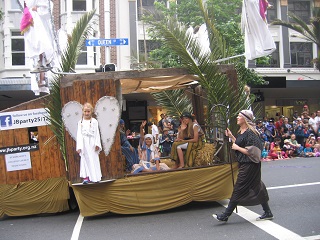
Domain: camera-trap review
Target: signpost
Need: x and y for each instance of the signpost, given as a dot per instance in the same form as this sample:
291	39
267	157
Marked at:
107	42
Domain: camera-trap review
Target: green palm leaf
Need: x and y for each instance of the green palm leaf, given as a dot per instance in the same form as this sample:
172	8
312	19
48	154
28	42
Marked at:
174	101
69	58
217	86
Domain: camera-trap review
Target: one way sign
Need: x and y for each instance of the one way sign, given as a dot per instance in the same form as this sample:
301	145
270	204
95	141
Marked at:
106	42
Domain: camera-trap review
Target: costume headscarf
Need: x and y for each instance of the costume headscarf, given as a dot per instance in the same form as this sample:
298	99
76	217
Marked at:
26	21
248	115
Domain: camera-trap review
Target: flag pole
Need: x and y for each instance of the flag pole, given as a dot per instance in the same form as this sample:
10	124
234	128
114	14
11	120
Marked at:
228	58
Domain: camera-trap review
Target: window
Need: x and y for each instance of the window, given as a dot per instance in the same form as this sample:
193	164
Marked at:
300	9
272	12
15	4
82	59
17	49
79	5
151	45
301	54
147	5
270	61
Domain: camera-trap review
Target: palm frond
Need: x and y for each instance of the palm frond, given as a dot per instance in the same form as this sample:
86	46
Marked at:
174	101
68	61
216	84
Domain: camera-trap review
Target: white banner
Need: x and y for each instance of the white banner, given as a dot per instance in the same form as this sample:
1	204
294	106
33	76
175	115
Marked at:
23	119
18	161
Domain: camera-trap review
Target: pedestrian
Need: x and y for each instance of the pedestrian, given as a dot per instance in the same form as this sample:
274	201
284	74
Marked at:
249	190
89	146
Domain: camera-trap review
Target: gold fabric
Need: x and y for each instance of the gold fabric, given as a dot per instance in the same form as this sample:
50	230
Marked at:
190	153
34	197
155	192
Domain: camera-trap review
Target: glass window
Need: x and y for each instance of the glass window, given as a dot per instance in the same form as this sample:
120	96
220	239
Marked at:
79	5
82	59
151	45
15	4
272	11
17	49
300	9
147	5
271	61
301	54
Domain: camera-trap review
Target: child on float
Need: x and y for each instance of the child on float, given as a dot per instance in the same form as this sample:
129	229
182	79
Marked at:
148	154
165	142
89	146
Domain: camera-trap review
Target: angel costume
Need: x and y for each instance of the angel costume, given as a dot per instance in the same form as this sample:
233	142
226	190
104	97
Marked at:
258	40
88	137
38	37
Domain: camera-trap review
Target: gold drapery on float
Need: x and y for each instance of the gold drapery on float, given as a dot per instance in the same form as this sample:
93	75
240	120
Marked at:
34	197
155	192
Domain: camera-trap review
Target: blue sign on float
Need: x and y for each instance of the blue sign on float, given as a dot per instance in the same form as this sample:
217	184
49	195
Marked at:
106	42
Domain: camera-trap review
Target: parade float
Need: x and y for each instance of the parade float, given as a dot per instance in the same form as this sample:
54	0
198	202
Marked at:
35	178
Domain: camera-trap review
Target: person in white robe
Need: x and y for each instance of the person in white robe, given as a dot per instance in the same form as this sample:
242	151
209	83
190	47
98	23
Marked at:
89	146
40	47
258	39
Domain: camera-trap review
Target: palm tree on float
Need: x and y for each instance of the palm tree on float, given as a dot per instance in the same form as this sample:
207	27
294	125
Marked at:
219	90
310	32
69	58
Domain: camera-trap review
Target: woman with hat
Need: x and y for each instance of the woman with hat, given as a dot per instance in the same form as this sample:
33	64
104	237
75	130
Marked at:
249	190
190	138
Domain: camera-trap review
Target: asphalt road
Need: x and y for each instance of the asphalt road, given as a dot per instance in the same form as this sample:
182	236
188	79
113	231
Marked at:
294	190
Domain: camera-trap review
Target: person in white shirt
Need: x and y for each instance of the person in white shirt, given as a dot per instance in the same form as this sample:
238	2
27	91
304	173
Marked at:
313	123
317	118
154	132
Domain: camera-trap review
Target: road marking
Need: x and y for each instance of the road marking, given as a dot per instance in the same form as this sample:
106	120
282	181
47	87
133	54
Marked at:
316	237
268	226
77	228
295	185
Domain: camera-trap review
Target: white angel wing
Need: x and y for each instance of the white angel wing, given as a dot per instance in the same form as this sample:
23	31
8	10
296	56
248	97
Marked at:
107	111
71	115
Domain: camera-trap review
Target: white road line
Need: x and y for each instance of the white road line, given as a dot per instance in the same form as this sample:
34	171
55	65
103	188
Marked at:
295	185
268	226
316	237
77	228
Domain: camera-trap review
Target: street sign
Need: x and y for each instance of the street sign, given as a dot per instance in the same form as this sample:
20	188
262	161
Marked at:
106	42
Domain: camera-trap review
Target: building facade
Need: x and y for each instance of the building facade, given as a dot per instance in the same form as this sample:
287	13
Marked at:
293	78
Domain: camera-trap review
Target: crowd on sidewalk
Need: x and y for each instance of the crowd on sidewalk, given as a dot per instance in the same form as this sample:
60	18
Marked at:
283	139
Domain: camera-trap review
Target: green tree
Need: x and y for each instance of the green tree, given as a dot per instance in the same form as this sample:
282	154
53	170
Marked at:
310	32
226	20
217	86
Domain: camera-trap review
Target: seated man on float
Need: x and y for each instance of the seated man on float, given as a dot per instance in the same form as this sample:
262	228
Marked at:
128	151
148	154
190	138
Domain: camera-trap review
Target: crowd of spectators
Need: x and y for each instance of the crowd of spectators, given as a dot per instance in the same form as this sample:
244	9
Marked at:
284	139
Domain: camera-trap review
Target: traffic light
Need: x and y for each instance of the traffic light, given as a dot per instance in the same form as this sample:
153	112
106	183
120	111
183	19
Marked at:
106	68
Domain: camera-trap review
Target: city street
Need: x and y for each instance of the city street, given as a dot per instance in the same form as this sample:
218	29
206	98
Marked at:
294	190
